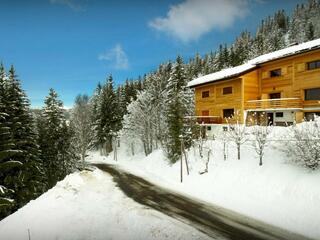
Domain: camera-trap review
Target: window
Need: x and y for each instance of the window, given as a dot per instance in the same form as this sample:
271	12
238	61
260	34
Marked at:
227	90
205	94
228	113
313	65
312	94
209	128
279	114
309	116
274	95
275	73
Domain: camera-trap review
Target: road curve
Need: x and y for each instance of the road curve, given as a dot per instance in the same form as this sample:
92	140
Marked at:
214	221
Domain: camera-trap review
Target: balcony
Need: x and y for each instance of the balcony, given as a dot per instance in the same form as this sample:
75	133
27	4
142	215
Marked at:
207	119
274	104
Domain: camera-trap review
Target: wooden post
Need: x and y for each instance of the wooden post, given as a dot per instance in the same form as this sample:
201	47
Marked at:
185	155
181	172
115	157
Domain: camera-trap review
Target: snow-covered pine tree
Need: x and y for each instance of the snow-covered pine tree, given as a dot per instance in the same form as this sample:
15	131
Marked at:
94	103
177	110
7	164
28	182
107	121
54	140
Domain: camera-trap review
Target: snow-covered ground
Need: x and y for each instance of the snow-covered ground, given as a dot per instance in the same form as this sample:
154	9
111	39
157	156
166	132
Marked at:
88	205
278	193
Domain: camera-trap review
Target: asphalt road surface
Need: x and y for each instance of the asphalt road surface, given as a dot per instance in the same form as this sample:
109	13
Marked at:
214	221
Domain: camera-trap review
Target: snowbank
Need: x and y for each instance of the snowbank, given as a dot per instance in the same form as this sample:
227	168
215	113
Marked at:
87	205
277	193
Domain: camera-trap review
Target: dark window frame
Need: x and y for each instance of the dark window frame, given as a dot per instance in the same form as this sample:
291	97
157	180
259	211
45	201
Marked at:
307	93
275	72
227	90
271	95
205	94
313	65
279	114
228	113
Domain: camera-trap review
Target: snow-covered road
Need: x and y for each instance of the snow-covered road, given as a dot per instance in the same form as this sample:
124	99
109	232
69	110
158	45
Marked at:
88	206
216	222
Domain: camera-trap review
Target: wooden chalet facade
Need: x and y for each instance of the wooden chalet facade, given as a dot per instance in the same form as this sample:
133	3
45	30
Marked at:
278	88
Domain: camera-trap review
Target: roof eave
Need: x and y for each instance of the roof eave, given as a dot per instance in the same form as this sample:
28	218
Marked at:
225	78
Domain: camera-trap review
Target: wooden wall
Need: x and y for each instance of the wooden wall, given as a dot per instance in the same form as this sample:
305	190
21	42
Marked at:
295	76
216	101
258	84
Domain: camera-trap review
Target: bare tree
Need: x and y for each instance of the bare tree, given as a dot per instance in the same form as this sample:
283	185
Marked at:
259	143
81	125
223	137
305	147
237	133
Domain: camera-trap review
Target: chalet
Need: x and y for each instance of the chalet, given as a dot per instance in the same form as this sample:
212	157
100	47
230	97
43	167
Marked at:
277	88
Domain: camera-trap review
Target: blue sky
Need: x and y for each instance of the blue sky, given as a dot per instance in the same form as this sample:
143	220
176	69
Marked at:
71	45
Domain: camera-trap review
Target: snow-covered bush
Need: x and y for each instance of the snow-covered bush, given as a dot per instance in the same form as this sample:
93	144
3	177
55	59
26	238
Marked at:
304	149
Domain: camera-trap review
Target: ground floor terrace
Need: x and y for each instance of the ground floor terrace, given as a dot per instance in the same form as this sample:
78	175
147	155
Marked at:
275	112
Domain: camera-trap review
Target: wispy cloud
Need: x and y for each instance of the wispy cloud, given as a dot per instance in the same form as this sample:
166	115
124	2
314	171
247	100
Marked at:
73	4
116	57
189	20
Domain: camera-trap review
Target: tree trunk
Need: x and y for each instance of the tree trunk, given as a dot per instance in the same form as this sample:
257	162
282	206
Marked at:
181	172
260	163
238	147
132	149
109	146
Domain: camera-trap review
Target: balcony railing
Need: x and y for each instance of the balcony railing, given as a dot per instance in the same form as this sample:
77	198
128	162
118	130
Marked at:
205	119
269	104
208	119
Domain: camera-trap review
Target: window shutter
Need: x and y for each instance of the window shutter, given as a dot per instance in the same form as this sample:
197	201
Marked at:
301	67
284	71
265	75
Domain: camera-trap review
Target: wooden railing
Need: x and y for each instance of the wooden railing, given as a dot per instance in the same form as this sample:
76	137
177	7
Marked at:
279	103
209	119
206	119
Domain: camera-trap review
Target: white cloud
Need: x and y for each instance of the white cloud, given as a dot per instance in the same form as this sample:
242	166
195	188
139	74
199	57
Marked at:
73	4
117	57
191	19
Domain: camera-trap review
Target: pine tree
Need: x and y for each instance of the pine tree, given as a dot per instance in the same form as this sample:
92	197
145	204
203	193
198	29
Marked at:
55	140
176	110
107	121
7	164
28	181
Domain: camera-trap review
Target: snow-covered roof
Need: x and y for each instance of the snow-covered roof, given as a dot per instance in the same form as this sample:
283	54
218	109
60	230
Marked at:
251	64
225	73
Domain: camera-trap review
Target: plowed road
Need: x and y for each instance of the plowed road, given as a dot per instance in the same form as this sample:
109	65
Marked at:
212	220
